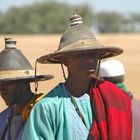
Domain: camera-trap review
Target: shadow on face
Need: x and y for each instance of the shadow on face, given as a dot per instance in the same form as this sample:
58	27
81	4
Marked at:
8	91
81	65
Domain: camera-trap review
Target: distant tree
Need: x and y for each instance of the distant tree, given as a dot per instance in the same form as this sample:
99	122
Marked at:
109	22
87	14
135	16
41	18
135	21
8	21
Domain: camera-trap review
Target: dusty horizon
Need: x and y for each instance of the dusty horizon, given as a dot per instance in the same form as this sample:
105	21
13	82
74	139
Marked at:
34	46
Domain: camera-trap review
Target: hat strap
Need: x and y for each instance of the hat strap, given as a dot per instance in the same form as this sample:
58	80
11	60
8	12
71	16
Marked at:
63	72
36	81
97	71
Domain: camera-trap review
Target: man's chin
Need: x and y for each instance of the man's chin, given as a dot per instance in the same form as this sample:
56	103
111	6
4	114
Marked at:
91	74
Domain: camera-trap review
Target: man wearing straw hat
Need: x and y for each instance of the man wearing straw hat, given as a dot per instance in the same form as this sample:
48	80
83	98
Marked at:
16	73
82	107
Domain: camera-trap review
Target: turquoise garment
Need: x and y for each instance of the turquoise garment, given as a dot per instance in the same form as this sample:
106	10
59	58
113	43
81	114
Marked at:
55	118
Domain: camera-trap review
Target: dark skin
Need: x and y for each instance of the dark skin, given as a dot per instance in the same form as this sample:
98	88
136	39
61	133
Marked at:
16	94
81	68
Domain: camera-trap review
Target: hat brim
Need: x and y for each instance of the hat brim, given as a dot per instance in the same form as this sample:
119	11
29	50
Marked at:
30	79
23	75
102	52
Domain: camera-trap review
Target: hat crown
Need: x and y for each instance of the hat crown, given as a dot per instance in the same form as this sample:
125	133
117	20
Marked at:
10	43
77	31
12	58
75	19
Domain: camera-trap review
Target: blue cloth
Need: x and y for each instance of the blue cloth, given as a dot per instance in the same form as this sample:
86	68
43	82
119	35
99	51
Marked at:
5	116
55	118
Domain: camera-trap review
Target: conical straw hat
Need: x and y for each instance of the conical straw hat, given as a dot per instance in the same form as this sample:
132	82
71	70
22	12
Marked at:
15	66
78	39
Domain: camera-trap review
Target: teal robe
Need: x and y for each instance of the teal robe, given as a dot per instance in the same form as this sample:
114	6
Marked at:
55	118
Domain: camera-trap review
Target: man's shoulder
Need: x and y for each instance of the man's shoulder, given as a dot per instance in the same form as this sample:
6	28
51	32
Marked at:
105	83
56	91
5	113
53	96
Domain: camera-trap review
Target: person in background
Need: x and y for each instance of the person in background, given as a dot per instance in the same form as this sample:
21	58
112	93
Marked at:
113	70
16	73
136	119
82	107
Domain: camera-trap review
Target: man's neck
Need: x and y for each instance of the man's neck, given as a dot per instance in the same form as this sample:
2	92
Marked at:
77	87
17	108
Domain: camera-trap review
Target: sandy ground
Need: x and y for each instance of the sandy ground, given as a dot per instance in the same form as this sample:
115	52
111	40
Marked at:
34	46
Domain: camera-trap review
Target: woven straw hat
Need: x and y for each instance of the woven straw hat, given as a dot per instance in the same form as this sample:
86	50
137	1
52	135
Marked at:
79	39
15	66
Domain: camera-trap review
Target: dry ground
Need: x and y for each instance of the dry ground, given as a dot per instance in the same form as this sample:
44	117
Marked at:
33	46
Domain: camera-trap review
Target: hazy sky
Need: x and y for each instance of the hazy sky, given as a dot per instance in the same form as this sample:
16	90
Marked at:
123	6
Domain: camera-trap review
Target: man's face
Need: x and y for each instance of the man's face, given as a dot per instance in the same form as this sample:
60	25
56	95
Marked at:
8	91
82	65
